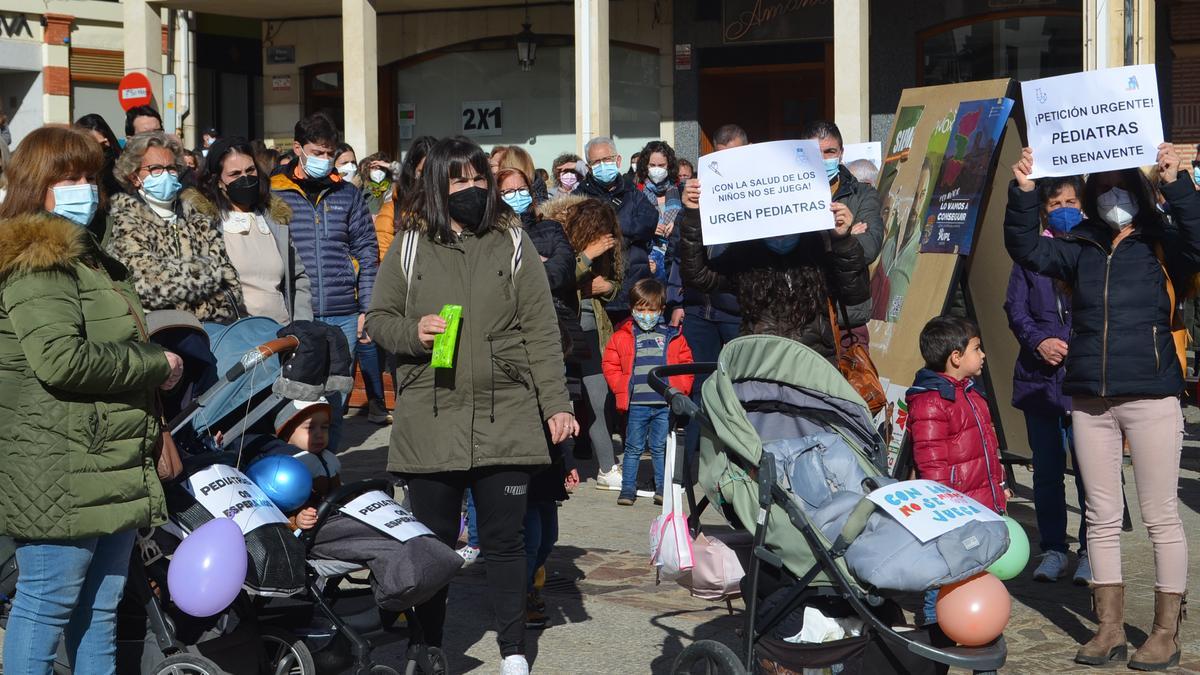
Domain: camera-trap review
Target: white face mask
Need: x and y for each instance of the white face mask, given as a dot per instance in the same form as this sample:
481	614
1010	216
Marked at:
347	170
1117	208
657	174
377	175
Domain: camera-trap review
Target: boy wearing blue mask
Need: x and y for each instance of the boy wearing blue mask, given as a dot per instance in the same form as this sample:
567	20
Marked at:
640	344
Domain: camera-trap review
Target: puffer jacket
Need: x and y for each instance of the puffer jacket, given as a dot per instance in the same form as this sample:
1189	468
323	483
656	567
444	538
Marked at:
639	220
1037	310
79	379
764	281
1121	343
507	379
863	202
953	440
619	357
335	236
178	266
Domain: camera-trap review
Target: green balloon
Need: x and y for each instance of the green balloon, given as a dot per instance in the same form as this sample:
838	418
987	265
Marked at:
1016	557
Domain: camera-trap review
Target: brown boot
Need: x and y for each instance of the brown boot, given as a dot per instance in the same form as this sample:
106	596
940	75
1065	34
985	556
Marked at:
1161	649
1108	644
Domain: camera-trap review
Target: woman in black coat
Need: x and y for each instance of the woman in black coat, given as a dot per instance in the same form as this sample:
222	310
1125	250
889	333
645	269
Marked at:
1127	264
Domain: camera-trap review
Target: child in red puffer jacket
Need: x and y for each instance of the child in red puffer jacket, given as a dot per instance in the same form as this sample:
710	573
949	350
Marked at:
953	440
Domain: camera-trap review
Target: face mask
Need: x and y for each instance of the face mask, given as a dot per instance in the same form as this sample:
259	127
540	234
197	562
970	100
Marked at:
1064	219
347	170
162	187
519	201
467	207
831	167
377	175
243	191
1196	175
76	203
204	152
606	172
1117	208
647	320
783	245
317	167
657	174
569	180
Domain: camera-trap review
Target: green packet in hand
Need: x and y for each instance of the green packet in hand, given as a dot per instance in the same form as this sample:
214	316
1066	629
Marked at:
443	345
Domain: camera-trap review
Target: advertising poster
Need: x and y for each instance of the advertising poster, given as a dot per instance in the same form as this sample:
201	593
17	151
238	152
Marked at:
898	147
965	176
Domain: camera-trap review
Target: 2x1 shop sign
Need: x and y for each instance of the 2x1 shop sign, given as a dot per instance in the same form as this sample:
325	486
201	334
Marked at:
482	118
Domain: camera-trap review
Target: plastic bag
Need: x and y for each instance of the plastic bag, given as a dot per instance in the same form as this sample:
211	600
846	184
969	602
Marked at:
670	541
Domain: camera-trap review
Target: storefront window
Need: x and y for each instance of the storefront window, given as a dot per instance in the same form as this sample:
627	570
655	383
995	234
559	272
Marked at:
1020	47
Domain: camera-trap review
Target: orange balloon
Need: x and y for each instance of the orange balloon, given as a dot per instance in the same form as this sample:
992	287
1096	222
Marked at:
975	611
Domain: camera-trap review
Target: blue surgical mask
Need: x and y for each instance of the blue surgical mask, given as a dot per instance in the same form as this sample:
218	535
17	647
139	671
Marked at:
782	245
1064	219
647	320
606	172
831	167
1196	175
317	167
518	201
162	187
76	203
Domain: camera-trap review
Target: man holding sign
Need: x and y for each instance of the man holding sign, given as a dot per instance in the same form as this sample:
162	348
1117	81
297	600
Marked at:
793	251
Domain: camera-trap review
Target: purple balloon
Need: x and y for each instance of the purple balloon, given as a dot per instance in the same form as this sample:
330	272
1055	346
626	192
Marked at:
208	569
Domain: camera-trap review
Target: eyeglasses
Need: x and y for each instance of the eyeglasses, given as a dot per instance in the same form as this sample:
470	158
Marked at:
156	170
602	160
517	192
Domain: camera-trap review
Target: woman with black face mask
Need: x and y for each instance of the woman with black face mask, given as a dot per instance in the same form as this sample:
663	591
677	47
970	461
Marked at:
254	224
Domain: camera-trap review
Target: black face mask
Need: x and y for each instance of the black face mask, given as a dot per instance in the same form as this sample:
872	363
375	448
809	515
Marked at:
244	192
468	206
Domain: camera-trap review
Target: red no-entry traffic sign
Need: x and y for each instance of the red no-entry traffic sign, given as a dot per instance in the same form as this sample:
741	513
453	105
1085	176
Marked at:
134	90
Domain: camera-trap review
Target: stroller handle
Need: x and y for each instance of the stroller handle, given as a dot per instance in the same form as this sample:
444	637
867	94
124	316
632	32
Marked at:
681	405
338	498
261	353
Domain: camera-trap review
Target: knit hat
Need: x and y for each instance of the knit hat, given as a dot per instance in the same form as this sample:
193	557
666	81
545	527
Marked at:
293	414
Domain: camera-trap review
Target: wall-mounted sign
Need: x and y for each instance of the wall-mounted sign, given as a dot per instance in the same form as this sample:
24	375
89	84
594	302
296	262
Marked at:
482	118
406	119
776	20
283	54
134	90
281	83
683	57
13	25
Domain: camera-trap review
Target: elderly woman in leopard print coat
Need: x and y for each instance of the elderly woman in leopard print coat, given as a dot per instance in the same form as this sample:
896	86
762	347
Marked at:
169	236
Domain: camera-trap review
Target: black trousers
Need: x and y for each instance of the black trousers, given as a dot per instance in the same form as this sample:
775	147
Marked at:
500	494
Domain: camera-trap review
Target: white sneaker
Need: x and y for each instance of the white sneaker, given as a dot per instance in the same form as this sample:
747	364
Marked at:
469	554
1083	571
645	493
609	480
514	665
1052	568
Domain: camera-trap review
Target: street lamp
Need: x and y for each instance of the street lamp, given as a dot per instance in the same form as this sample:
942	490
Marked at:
527	44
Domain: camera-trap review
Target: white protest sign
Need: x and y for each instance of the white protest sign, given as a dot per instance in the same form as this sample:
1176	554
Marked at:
383	513
763	190
1099	120
929	509
871	151
227	493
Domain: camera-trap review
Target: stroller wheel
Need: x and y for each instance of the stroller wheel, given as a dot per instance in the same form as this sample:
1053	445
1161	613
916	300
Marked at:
707	657
286	653
186	664
424	660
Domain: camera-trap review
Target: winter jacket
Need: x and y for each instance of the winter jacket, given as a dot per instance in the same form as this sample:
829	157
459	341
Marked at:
764	281
335	236
79	379
953	440
178	266
618	362
1037	310
558	258
507	379
296	289
863	202
1121	343
639	220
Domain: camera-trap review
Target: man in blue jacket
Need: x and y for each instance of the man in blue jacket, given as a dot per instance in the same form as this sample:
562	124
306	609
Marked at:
334	235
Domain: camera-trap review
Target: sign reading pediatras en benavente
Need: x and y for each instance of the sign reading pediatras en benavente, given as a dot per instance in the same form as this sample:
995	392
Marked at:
1100	120
763	190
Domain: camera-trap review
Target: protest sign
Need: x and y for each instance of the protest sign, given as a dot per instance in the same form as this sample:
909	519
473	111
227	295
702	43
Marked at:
383	513
763	190
871	151
226	492
965	176
929	509
1099	120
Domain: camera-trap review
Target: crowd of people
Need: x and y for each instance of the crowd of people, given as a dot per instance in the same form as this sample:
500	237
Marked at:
574	282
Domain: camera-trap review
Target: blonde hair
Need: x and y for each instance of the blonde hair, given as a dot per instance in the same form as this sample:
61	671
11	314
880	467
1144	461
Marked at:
46	156
515	157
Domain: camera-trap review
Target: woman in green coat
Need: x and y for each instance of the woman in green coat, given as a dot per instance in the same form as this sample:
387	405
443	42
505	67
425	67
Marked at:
77	473
481	424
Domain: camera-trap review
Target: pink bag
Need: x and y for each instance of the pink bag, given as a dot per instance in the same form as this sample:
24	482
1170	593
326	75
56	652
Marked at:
716	572
670	541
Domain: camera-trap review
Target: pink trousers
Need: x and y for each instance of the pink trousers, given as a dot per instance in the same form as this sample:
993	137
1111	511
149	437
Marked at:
1154	427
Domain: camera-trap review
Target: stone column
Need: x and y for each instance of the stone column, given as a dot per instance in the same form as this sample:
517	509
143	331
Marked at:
56	69
591	71
851	77
360	68
144	44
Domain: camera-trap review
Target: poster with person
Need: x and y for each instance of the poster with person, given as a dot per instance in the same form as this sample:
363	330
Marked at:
964	177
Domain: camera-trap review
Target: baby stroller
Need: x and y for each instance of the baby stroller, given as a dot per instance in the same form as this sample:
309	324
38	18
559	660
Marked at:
763	393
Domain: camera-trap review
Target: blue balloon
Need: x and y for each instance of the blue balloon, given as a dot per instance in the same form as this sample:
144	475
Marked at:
285	480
